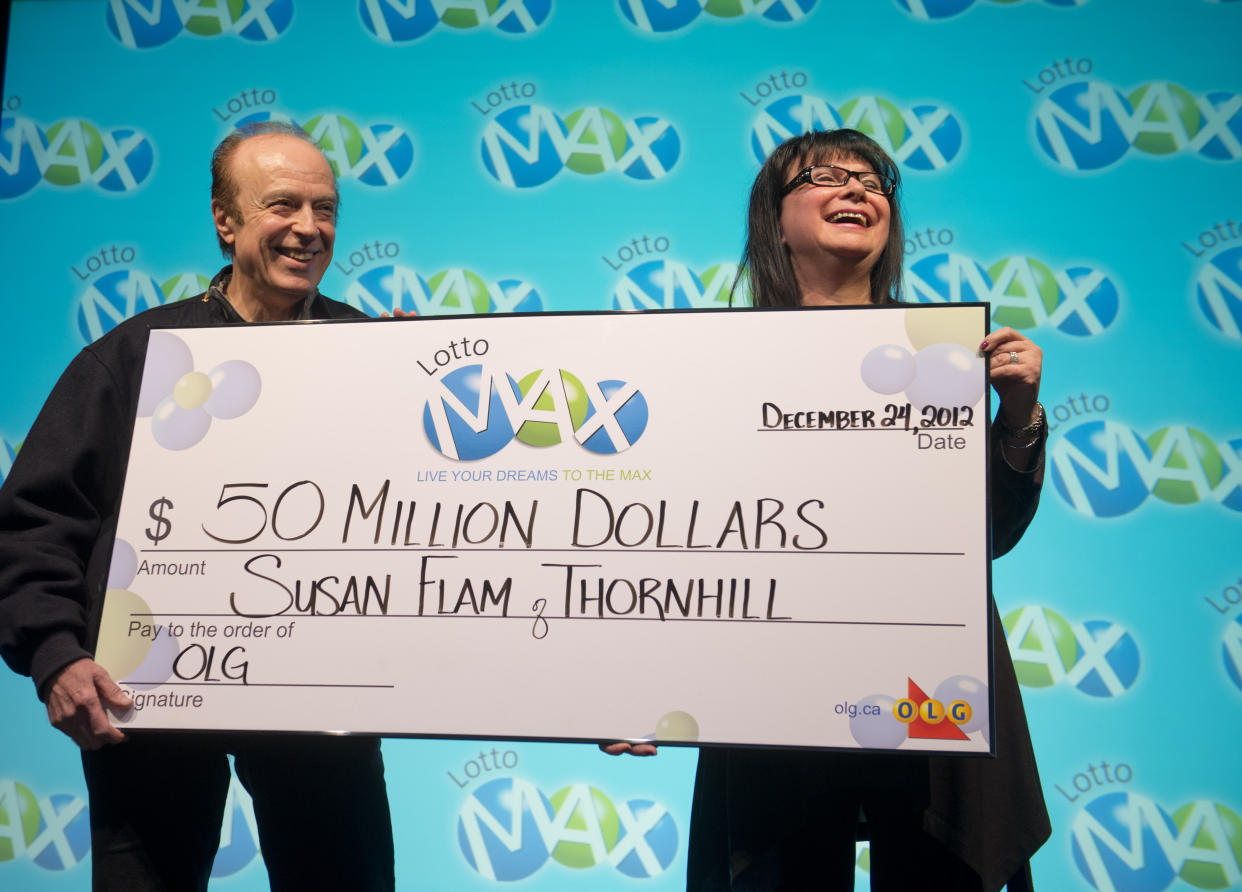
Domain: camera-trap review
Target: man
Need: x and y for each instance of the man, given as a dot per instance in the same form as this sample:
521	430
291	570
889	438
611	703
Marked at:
157	799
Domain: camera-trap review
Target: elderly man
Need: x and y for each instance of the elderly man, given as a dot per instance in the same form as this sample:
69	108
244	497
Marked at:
157	799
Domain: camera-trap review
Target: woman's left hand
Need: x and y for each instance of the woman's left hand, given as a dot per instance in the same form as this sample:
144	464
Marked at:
1015	363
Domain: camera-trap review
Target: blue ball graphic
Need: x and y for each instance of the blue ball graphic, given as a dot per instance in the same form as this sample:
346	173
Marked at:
1231	652
515	296
465	383
784	12
515	23
113	298
1232	499
271	19
1219	292
946	136
138	162
21	144
661	15
659	842
390	160
394	25
1102	303
787	117
1120	815
387	288
662	142
512	805
1096	468
1077	125
631	417
946	278
1122	658
133	29
528	128
1210	107
929	10
658	285
76	842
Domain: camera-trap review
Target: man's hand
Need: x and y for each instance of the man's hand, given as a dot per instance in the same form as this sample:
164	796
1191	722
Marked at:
76	704
621	747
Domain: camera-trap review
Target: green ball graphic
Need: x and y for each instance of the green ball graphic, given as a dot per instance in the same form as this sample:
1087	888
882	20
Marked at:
1205	457
547	433
1027	278
76	159
718	284
1157	139
466	15
467	293
888	129
1207	873
205	25
1063	647
611	142
728	9
183	286
19	812
339	139
579	855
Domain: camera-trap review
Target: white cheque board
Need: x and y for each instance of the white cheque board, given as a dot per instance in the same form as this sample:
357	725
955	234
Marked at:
744	527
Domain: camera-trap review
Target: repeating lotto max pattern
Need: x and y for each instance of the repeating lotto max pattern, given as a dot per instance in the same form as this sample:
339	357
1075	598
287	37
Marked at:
1078	163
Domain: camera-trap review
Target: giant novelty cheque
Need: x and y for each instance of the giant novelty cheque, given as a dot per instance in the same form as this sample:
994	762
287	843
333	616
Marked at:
743	527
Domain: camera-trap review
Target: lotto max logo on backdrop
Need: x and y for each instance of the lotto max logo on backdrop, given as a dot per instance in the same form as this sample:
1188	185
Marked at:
1098	657
923	137
141	24
121	293
1090	124
1218	292
476	412
508	830
1231	651
1025	292
672	285
391	287
931	10
1106	469
400	21
376	155
527	145
660	16
52	831
72	152
1127	842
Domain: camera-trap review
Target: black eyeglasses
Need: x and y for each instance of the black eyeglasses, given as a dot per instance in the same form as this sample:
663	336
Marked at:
831	175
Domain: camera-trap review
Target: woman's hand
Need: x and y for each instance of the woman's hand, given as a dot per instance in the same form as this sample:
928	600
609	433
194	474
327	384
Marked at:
1016	364
624	746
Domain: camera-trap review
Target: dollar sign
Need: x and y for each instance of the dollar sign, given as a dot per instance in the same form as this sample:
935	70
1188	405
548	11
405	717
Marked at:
163	526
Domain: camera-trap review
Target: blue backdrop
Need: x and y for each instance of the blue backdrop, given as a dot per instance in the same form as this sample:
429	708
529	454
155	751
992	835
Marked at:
1076	163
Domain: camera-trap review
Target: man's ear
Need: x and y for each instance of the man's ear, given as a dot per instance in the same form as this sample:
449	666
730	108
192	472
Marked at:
225	224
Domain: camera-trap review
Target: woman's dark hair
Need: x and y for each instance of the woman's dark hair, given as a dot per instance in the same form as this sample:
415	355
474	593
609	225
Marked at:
766	261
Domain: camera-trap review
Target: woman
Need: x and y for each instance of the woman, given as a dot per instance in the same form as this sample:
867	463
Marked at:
824	228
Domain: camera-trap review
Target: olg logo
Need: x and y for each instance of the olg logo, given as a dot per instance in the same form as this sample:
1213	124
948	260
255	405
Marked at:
476	413
1125	842
400	21
671	285
1025	292
656	16
117	295
1098	657
1090	124
1218	292
527	145
929	10
923	137
508	829
139	24
72	152
392	287
1105	469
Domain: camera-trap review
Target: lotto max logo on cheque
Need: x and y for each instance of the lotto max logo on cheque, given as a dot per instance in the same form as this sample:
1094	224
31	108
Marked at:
528	145
1098	657
661	16
508	829
1127	842
72	152
1024	291
1106	469
475	412
1090	124
922	137
400	21
141	24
